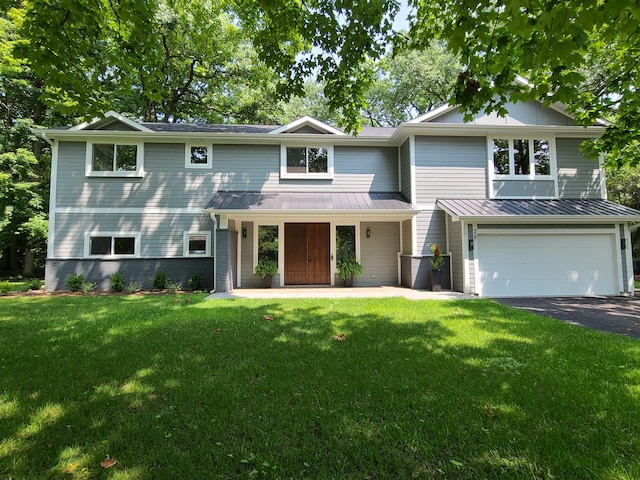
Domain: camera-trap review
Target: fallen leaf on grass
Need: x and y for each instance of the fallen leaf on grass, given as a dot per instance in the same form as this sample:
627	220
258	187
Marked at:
108	462
218	330
339	337
72	467
267	318
488	411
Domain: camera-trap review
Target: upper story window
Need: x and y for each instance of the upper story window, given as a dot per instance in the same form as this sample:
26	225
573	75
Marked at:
114	159
522	157
197	244
306	161
197	156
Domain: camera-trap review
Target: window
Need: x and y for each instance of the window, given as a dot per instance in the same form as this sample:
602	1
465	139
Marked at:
521	158
197	244
345	242
112	244
268	242
197	156
114	159
306	161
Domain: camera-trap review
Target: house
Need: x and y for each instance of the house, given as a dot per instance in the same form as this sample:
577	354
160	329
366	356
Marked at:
511	201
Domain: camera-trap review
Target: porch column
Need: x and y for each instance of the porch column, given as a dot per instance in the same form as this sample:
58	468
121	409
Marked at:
224	280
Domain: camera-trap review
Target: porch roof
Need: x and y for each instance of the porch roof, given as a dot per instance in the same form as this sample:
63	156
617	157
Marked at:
564	210
297	202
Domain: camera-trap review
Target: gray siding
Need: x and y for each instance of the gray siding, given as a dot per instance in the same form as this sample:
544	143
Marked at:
451	167
139	270
526	113
457	254
247	277
161	234
524	188
405	170
430	228
167	183
578	177
407	240
472	270
379	253
415	272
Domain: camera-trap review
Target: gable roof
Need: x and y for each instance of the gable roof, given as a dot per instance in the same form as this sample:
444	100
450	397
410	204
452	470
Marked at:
306	121
110	118
444	109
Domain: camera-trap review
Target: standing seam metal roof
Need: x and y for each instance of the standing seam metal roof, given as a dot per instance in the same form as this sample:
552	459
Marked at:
532	208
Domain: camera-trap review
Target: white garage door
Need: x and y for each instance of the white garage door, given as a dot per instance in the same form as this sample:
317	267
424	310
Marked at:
546	265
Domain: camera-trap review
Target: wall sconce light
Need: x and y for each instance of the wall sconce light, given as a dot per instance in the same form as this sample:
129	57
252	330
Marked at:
244	233
368	233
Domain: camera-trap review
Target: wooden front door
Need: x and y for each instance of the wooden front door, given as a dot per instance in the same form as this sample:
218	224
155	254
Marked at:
306	254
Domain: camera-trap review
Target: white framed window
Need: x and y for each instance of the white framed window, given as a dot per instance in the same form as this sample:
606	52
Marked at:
306	161
198	156
522	158
111	244
114	159
197	244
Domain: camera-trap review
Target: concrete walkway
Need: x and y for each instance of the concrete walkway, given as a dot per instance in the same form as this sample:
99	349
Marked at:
340	292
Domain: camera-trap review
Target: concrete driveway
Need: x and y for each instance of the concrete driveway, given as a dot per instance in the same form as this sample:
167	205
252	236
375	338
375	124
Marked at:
609	314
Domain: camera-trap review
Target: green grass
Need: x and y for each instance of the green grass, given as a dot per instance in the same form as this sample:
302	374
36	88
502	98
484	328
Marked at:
177	387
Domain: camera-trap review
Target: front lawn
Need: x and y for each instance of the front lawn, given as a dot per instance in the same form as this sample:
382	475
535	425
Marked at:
177	387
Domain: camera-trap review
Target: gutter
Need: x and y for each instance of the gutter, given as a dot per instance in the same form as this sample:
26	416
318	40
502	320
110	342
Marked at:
46	139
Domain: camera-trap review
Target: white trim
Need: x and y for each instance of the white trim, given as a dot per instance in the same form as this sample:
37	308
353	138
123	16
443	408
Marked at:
435	113
52	201
128	210
113	235
538	231
116	116
628	258
532	173
603	177
187	156
185	243
139	171
306	176
304	122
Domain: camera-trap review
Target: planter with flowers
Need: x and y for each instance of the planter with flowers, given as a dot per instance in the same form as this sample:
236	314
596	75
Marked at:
437	262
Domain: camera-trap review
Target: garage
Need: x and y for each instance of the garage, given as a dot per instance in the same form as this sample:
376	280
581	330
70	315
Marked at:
530	248
513	263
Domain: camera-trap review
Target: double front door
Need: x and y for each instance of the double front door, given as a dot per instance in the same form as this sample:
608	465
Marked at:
307	254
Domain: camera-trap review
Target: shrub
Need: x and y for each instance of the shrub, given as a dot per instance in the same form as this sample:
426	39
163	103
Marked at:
74	282
195	282
5	287
174	287
117	282
34	284
159	280
87	287
133	287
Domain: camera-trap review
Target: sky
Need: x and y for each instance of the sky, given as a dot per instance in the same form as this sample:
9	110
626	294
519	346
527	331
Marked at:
401	21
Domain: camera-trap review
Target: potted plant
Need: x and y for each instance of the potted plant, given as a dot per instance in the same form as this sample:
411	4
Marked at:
266	269
350	268
437	262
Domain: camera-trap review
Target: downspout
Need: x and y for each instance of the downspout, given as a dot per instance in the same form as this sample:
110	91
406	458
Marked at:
215	248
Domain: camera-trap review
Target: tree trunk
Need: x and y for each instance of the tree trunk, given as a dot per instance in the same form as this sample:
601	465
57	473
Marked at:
14	257
29	260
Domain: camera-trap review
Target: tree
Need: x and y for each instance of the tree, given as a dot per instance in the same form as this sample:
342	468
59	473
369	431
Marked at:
552	43
409	83
157	60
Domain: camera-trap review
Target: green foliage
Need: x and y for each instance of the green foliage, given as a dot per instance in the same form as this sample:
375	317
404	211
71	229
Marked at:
266	267
553	44
173	286
5	287
117	283
436	259
87	287
133	287
195	281
34	284
268	242
159	280
350	268
74	282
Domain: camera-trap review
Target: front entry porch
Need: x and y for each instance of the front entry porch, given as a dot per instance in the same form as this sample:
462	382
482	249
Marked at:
307	259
